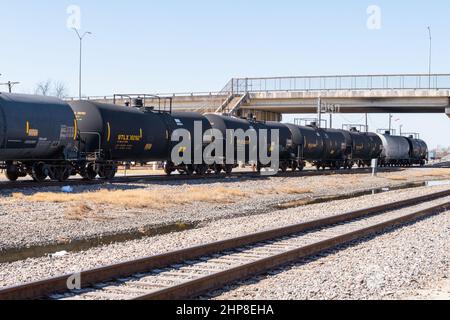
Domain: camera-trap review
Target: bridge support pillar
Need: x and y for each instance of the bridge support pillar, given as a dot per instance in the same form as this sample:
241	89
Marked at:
261	115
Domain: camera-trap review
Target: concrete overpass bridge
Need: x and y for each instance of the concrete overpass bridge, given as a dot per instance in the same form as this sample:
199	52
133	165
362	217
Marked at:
269	98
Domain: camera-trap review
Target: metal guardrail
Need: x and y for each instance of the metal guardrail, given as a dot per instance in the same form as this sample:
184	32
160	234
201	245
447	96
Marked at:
238	86
161	95
344	82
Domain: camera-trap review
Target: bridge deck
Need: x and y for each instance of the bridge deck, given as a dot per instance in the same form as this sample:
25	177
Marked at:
411	93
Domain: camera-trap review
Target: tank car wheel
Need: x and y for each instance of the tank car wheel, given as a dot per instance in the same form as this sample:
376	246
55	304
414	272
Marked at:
168	168
229	169
258	168
60	174
39	172
294	166
189	170
12	173
201	170
217	169
283	167
107	172
89	173
301	167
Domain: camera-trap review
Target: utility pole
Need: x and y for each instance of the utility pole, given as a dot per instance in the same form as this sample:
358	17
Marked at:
390	122
10	85
430	57
367	122
401	127
81	37
319	111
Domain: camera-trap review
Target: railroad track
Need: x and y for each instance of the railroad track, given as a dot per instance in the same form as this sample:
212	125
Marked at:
163	178
194	271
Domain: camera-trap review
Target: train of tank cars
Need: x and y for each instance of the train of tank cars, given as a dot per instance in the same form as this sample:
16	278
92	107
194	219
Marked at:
47	137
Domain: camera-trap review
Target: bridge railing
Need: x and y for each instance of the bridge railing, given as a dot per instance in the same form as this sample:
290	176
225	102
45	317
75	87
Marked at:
345	82
240	86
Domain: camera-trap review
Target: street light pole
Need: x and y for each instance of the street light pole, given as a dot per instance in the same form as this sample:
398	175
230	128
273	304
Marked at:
81	37
390	122
430	56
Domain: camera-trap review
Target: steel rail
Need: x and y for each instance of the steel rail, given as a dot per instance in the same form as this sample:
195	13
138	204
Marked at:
45	288
204	284
164	178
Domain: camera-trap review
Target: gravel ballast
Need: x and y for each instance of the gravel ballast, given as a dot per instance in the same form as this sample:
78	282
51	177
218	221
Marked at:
25	224
404	260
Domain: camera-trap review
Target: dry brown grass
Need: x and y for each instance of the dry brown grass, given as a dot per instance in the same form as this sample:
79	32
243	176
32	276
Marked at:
78	212
398	178
140	199
82	211
292	190
140	172
433	173
82	204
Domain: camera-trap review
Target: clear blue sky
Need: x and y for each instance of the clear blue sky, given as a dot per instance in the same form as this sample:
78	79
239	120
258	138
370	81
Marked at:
178	46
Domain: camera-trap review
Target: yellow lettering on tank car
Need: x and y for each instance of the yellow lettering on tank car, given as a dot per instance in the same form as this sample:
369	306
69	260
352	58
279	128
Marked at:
131	137
75	129
243	142
80	115
31	132
109	132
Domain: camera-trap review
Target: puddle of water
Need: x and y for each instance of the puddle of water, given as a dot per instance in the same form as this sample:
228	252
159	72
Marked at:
438	183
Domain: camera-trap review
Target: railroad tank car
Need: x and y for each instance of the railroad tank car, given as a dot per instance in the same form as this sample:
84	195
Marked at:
297	147
36	134
337	148
197	138
222	123
396	150
313	143
365	147
111	134
287	148
418	151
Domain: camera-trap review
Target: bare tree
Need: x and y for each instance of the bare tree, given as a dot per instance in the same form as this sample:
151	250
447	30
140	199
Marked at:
47	88
60	90
43	88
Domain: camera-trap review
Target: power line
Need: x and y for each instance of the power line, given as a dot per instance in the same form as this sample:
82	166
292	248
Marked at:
10	85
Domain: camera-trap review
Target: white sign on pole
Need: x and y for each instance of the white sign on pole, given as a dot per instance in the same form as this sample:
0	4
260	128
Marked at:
374	167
